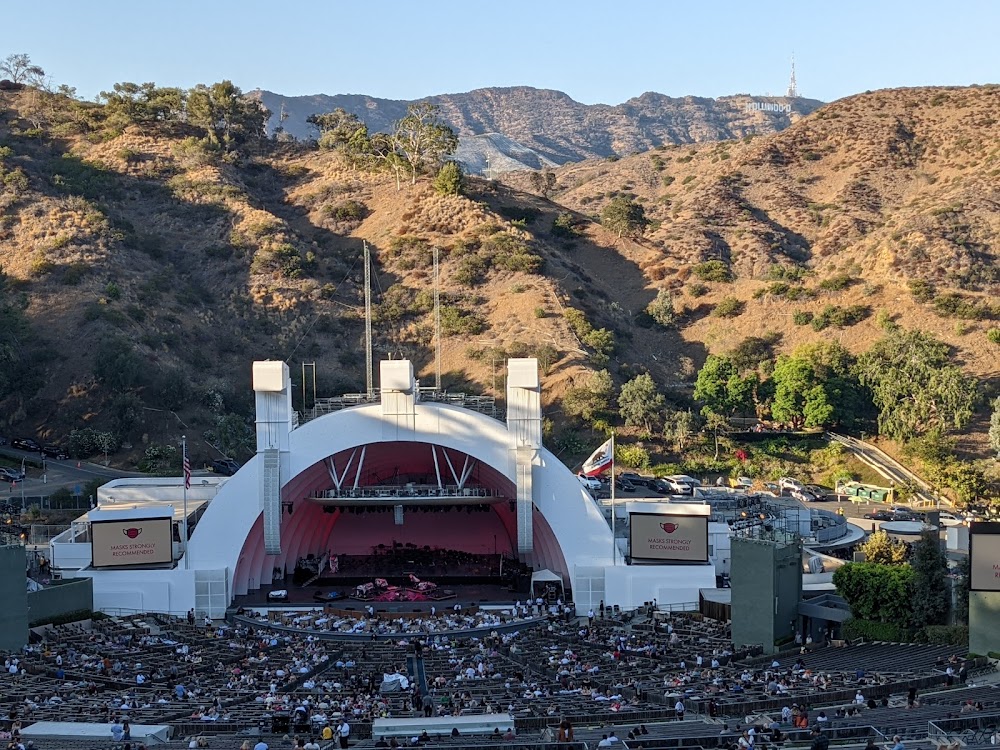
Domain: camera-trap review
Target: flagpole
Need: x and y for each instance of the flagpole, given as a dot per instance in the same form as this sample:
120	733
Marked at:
184	464
614	542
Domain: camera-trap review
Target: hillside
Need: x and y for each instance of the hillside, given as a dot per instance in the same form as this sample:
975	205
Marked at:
151	271
847	206
554	126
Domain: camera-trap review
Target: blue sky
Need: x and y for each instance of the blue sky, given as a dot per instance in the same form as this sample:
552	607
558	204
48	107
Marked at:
594	51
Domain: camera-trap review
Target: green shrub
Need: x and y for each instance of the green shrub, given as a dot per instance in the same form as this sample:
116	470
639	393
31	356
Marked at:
450	179
713	270
921	290
349	211
472	270
836	283
697	289
955	305
874	631
802	317
729	307
667	180
840	317
455	321
944	635
993	335
633	456
564	226
539	312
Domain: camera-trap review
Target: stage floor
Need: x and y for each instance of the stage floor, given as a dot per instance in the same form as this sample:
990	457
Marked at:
299	596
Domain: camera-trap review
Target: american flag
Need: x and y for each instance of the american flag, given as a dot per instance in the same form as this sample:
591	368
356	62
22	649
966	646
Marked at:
187	470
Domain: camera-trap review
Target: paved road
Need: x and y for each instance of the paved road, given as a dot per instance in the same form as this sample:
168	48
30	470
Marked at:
57	474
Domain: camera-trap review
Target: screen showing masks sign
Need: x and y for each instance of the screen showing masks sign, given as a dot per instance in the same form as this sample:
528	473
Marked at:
985	557
145	541
658	536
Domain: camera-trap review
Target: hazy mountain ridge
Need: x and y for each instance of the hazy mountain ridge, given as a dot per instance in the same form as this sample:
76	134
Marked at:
557	127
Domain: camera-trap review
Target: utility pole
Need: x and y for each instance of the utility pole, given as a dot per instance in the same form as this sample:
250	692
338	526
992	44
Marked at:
437	320
369	386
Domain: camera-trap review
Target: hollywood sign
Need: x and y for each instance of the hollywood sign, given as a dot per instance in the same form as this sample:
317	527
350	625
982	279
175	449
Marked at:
768	107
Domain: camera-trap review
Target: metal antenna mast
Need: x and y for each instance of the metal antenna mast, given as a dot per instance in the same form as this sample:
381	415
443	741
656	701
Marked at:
793	90
368	323
437	321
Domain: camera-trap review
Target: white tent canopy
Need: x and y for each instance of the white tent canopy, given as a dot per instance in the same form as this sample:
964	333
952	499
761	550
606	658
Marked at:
541	580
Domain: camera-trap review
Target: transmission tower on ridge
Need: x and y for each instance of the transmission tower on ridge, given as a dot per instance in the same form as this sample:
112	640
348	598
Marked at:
793	90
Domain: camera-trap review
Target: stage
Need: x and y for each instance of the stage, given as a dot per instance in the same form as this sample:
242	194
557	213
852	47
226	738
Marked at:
481	594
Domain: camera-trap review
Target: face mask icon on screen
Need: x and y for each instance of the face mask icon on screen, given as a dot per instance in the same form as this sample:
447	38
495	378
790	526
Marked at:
669	528
134	532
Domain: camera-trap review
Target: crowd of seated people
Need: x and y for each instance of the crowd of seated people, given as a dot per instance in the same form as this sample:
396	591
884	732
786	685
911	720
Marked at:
216	677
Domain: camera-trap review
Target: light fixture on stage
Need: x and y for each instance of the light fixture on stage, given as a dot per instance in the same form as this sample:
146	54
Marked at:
290	507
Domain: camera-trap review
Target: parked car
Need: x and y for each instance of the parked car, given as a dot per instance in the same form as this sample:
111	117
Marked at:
661	486
636	479
10	475
947	519
54	451
25	444
787	483
682	484
804	495
225	466
881	515
624	485
591	483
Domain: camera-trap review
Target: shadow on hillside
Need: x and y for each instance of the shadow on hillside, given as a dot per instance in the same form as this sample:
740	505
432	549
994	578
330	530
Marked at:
793	245
611	289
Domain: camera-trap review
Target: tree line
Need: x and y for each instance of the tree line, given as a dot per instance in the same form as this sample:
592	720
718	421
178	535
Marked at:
417	143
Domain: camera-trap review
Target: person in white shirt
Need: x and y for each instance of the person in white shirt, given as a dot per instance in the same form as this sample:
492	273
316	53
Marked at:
344	732
679	708
605	742
260	746
859	698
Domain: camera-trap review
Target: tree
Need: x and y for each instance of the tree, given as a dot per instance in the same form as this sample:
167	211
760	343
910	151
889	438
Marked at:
117	365
717	424
881	593
723	389
994	431
880	548
591	399
132	103
914	386
543	182
678	428
343	131
19	69
228	118
661	309
449	180
962	589
624	216
421	139
931	596
233	435
640	404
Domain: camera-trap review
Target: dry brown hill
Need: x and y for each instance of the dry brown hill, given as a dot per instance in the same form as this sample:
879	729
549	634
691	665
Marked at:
175	268
863	197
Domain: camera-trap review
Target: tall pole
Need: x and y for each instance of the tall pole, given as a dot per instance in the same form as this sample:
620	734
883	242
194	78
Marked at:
186	468
368	323
614	541
437	322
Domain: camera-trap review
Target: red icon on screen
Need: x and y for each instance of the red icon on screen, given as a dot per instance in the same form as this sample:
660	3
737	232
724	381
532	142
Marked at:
670	528
132	533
